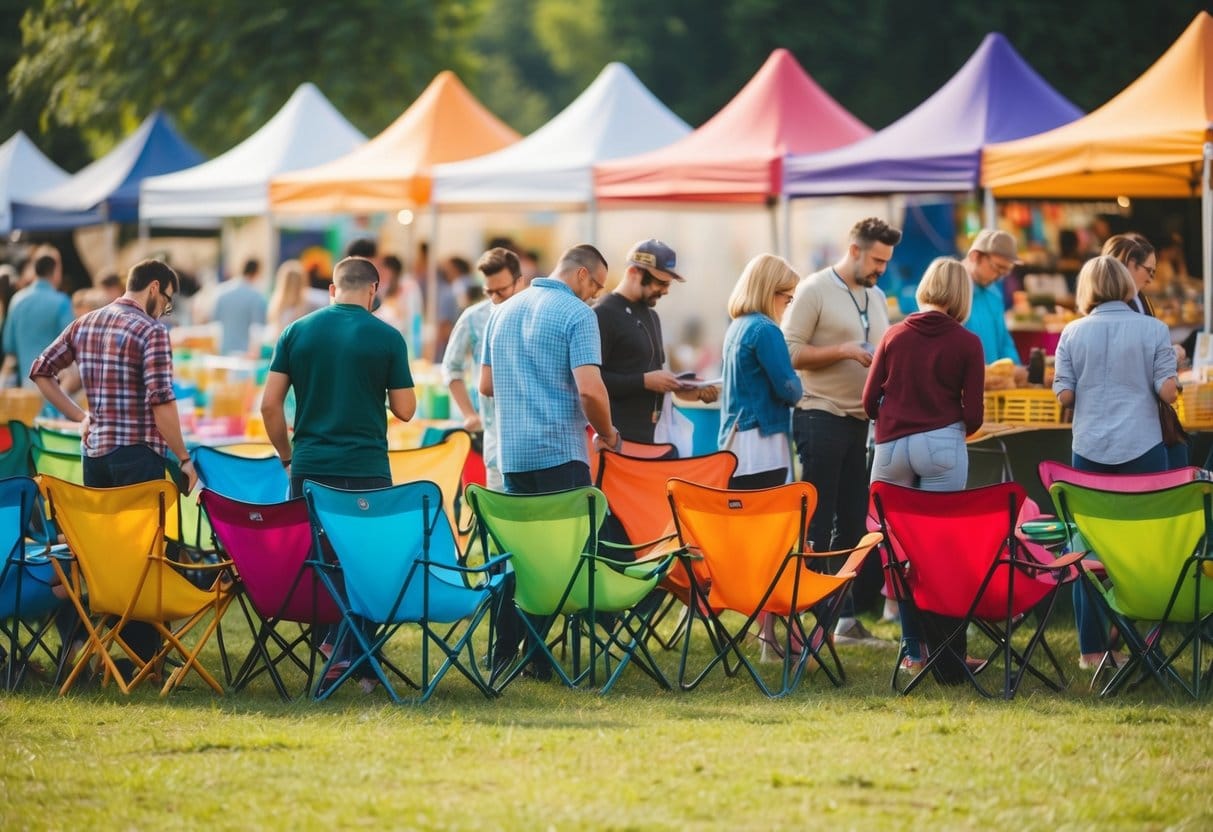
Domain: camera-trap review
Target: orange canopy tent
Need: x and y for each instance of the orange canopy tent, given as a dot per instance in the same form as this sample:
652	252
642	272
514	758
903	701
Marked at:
392	171
1154	139
737	156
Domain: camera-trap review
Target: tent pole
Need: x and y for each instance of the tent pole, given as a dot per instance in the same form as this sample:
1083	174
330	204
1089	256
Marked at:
785	216
430	326
1206	220
592	211
991	214
271	250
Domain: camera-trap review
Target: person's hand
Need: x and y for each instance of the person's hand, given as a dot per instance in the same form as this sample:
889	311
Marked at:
857	352
608	443
85	424
707	395
662	381
191	476
472	424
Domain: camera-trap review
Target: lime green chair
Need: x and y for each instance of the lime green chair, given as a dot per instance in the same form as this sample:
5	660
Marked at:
553	546
63	465
64	441
1155	549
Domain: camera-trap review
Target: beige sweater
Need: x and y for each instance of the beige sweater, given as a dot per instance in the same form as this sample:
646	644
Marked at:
821	315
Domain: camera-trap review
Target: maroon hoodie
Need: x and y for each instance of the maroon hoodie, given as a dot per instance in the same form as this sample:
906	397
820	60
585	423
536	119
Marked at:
928	373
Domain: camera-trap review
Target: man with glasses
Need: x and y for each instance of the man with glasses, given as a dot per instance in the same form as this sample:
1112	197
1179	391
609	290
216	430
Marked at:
633	353
991	257
502	279
126	366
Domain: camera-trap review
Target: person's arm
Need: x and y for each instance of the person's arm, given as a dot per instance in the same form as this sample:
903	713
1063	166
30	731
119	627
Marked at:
403	402
799	324
455	364
1165	366
974	403
486	381
596	403
873	387
1063	372
45	374
49	387
273	415
168	423
772	355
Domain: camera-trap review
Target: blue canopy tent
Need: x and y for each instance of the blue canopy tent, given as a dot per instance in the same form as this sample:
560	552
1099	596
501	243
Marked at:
107	190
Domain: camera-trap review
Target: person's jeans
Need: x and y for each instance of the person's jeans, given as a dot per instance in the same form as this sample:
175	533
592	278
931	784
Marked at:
344	648
833	454
128	465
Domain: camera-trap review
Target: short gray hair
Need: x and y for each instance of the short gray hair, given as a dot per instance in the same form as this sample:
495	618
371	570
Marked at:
355	273
581	256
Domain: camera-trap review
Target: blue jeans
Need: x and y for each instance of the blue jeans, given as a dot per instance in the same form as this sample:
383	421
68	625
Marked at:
572	474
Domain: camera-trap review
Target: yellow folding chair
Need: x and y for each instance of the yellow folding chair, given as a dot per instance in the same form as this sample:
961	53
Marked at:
120	573
441	464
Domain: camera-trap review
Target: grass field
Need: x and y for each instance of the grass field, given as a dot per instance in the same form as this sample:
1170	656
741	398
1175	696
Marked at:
544	757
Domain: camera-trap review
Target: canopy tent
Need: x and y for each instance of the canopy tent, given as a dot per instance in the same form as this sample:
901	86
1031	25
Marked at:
107	190
737	156
936	147
392	171
24	172
307	131
1154	139
615	116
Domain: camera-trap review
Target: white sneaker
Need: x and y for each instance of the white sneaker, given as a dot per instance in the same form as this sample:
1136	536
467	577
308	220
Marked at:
858	634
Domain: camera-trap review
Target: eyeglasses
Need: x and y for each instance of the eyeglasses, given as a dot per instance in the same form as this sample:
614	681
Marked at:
168	306
1149	270
1001	267
598	286
785	295
504	292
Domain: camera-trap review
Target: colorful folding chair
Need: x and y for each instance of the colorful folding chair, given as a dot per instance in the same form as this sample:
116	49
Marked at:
62	465
270	545
635	450
27	601
397	564
955	556
119	572
752	545
441	463
62	441
1154	548
15	459
243	478
552	544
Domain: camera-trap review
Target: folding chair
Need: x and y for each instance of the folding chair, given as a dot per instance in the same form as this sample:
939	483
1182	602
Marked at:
270	545
628	448
62	465
27	602
752	545
62	441
1155	552
397	564
635	489
552	544
117	538
243	478
15	460
441	463
955	556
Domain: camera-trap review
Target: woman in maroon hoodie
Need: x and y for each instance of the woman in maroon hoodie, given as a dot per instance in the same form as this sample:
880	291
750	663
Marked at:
924	388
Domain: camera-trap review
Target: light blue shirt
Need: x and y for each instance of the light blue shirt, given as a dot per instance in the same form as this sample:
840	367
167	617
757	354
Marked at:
462	361
238	307
988	321
533	342
1115	360
36	316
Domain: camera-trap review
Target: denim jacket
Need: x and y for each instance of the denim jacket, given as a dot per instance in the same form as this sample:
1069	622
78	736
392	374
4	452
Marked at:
760	386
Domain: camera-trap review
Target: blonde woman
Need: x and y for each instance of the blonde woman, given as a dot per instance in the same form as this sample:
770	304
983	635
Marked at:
288	302
760	386
924	388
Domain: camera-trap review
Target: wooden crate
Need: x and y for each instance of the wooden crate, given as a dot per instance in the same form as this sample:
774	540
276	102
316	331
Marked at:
1030	406
21	405
1195	406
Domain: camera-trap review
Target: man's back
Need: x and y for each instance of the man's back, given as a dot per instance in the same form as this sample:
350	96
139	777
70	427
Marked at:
341	361
238	307
37	314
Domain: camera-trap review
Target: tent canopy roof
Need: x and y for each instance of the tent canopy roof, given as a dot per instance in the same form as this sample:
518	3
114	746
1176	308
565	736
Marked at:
307	131
737	155
1147	141
24	172
392	171
996	96
108	188
615	116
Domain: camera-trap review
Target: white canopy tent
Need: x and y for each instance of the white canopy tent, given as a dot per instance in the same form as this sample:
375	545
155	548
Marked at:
24	171
307	131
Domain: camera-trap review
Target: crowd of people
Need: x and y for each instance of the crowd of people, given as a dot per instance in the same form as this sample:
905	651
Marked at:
810	365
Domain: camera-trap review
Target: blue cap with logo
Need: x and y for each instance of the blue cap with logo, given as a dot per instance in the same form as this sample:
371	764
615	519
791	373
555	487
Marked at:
655	256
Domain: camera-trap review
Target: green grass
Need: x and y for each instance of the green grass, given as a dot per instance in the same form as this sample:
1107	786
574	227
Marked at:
545	757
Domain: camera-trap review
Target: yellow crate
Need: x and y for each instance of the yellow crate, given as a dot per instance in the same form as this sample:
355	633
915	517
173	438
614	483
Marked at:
1195	406
1030	406
993	406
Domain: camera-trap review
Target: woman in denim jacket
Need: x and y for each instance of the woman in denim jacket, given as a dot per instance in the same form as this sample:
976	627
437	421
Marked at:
760	386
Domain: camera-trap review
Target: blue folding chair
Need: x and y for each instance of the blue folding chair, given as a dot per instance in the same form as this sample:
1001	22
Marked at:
247	479
397	564
27	602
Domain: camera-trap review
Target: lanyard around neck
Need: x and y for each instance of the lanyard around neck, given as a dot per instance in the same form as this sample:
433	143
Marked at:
864	320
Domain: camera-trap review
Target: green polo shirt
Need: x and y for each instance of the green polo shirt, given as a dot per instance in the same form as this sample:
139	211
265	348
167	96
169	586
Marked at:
341	361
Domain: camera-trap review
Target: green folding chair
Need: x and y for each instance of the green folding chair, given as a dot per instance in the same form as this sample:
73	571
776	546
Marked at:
1155	549
15	462
62	465
64	441
553	546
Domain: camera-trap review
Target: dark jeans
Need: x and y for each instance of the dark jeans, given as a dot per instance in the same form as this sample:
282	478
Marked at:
833	454
763	479
344	650
506	620
127	466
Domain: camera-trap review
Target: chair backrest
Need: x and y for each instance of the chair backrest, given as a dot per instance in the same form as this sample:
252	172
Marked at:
638	450
952	540
1143	540
250	480
1051	471
252	450
744	537
378	536
546	536
441	463
635	488
118	535
269	544
64	441
15	460
61	465
23	584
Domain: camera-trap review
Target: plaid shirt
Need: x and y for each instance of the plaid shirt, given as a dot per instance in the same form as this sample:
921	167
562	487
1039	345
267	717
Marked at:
126	364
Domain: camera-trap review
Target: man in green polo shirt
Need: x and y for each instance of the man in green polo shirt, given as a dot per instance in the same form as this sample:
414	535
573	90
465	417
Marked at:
343	363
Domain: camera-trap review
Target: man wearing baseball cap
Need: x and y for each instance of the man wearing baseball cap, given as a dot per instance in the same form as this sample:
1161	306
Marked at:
991	257
633	353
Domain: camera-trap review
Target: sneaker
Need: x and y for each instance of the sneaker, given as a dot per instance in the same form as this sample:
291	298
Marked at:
909	665
335	670
857	634
1091	661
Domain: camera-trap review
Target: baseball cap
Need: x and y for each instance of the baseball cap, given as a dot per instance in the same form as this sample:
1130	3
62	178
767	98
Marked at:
991	241
655	256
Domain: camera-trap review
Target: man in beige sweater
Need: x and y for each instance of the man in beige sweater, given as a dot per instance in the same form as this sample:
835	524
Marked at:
831	327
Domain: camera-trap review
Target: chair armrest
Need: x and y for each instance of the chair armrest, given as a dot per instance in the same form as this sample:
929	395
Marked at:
632	547
630	569
855	555
484	567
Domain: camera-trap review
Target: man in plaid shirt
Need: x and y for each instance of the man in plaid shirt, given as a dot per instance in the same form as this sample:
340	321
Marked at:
126	365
